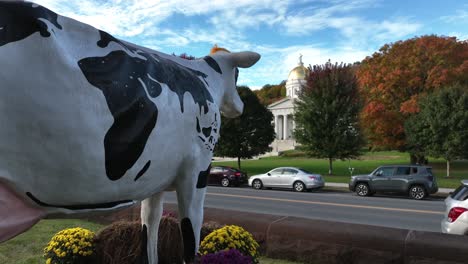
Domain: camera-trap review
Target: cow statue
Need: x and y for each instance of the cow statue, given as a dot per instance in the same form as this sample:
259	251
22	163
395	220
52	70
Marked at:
90	122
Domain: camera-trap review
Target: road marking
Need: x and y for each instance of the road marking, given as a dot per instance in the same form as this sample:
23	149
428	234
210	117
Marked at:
330	204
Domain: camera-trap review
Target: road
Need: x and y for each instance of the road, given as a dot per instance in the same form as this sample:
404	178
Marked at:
378	210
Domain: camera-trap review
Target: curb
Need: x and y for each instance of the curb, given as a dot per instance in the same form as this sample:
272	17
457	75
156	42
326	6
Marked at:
317	241
328	242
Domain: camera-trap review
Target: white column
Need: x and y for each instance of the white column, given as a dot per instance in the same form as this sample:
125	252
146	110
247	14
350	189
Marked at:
285	127
276	126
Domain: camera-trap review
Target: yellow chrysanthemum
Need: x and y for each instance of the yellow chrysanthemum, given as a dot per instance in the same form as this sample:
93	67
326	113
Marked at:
230	237
69	244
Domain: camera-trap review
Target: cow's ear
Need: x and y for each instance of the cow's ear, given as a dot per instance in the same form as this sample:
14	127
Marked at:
244	59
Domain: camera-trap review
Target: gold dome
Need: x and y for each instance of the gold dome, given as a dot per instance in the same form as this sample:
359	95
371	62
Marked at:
300	72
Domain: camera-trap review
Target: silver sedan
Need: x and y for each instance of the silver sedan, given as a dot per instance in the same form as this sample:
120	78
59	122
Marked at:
287	177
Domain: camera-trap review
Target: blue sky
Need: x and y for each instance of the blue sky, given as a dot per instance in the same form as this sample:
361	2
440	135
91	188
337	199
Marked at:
280	30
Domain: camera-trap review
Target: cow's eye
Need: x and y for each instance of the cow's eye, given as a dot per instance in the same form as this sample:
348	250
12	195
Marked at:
237	74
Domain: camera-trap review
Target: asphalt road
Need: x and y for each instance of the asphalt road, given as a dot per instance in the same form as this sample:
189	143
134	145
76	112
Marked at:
378	210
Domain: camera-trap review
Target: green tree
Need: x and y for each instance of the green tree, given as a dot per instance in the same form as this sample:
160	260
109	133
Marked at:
440	129
248	135
327	113
271	93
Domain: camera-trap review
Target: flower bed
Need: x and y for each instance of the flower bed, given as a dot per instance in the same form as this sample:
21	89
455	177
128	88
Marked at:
119	243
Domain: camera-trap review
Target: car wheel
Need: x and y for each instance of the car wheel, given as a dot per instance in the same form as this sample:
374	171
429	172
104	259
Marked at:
257	184
299	186
362	189
225	182
417	192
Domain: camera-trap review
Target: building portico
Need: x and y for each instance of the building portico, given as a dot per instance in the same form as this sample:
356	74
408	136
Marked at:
283	110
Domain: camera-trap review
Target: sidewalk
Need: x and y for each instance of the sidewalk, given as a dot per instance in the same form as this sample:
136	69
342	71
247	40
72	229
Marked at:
345	185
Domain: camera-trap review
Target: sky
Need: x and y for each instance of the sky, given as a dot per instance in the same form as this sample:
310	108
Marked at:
280	30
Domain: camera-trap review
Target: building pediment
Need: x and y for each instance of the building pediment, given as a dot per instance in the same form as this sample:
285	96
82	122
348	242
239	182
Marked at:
281	104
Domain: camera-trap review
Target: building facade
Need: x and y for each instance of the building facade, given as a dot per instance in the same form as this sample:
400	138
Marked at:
283	110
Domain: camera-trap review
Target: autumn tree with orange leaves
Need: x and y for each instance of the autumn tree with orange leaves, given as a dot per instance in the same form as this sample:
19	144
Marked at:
393	79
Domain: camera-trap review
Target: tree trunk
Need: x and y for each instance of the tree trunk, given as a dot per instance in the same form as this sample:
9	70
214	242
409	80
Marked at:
330	166
418	159
238	163
448	168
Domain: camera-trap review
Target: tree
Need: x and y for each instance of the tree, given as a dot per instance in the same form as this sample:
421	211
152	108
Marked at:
440	129
248	135
393	79
271	93
327	113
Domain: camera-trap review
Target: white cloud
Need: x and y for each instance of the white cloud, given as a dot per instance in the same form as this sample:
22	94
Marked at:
461	17
276	63
226	23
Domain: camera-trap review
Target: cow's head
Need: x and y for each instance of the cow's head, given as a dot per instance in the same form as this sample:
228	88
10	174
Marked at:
231	104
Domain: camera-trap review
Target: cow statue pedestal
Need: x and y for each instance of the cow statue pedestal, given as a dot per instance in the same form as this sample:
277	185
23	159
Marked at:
90	122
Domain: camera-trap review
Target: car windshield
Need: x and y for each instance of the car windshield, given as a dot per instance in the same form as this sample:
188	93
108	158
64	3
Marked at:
461	193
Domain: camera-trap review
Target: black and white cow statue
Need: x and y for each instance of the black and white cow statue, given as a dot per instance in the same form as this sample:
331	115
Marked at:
91	122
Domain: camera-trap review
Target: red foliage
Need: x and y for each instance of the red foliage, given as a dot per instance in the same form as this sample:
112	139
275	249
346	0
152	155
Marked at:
392	80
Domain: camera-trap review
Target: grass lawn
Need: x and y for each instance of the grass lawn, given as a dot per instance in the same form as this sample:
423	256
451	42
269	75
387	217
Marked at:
366	164
27	247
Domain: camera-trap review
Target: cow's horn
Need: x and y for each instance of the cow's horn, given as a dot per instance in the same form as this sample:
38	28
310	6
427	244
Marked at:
245	59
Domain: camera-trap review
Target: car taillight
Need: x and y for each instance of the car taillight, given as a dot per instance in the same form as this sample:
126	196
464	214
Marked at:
313	177
431	178
237	174
455	213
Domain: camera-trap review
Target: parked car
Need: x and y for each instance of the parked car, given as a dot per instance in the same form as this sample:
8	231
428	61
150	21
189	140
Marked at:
415	180
456	216
287	177
226	176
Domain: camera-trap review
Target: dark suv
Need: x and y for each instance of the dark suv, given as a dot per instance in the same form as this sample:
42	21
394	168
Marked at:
226	176
418	181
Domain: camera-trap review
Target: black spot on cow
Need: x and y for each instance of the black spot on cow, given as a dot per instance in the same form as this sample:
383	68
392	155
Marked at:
126	77
78	206
213	64
143	170
198	126
19	20
189	240
144	249
121	79
203	178
178	78
206	131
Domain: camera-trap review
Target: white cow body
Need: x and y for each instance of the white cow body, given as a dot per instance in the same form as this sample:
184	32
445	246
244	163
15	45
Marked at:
59	119
57	111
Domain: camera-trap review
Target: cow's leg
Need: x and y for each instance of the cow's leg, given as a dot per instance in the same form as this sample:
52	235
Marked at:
191	196
151	212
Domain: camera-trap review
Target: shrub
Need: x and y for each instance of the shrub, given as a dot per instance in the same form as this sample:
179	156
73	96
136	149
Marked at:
70	246
230	237
231	256
209	227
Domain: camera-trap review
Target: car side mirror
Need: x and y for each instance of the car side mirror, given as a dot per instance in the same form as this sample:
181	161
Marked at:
269	174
